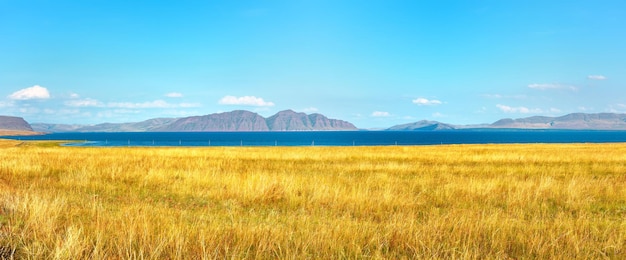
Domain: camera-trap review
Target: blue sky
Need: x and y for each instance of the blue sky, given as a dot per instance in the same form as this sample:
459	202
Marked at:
373	63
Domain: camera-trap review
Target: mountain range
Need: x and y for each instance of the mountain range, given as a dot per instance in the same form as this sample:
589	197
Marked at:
575	121
601	121
289	120
238	120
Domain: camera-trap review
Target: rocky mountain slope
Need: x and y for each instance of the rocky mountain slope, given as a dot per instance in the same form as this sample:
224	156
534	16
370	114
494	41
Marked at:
14	123
423	125
10	125
290	120
238	120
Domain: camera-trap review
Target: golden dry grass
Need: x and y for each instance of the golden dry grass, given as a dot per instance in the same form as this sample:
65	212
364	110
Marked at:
461	201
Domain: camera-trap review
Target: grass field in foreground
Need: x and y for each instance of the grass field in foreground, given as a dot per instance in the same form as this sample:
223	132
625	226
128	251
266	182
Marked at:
460	201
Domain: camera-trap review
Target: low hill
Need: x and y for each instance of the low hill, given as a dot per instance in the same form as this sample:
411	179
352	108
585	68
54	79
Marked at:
143	126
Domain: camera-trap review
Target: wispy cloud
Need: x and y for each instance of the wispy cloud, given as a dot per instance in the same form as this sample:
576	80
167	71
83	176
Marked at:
174	95
426	102
126	111
617	108
520	109
596	77
29	110
499	96
189	105
496	96
87	102
551	86
310	110
6	104
148	104
438	115
34	92
380	114
554	110
245	101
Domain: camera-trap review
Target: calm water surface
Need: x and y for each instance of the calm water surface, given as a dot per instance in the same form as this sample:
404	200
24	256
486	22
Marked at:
332	138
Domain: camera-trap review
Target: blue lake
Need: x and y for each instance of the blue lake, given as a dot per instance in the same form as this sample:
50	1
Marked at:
340	138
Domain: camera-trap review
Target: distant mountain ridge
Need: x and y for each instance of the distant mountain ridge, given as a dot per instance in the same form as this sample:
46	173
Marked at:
238	120
575	121
289	120
11	125
14	123
423	125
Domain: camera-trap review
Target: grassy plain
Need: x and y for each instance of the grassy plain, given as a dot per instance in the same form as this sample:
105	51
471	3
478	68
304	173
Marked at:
558	201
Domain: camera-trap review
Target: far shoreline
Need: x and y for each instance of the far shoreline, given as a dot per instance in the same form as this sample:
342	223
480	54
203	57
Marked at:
4	132
333	138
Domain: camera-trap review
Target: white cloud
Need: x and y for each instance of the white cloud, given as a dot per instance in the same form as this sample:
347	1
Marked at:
310	110
482	110
499	96
245	100
34	92
87	102
548	86
380	114
426	102
438	115
148	104
174	95
29	110
596	77
126	111
521	109
74	95
492	96
617	108
188	105
6	104
68	112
